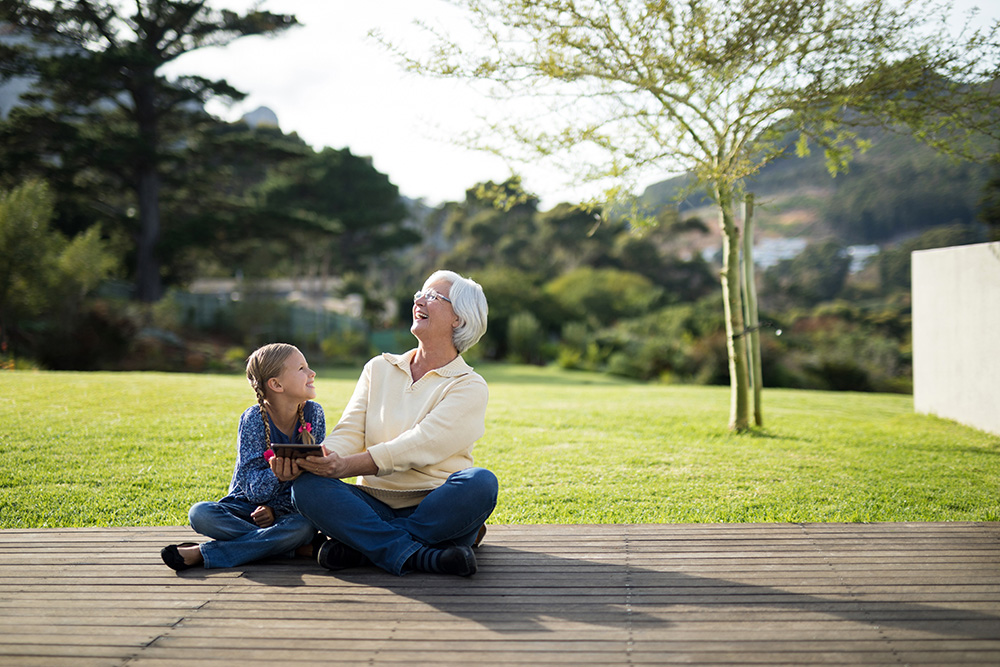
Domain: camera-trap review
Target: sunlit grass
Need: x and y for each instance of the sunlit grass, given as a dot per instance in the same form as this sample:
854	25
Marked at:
105	449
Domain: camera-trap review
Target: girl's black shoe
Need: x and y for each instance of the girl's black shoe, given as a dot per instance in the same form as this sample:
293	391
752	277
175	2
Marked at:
172	557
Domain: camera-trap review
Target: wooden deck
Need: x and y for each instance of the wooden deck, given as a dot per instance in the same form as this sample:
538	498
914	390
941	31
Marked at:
856	594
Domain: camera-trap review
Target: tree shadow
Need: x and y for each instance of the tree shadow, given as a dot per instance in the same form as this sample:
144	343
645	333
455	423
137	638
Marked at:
518	591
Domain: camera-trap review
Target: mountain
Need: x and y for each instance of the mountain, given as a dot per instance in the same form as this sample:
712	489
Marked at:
896	189
261	117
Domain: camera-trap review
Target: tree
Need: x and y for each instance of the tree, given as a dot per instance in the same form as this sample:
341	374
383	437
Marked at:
496	224
603	296
217	219
815	275
45	277
96	65
344	210
990	211
711	87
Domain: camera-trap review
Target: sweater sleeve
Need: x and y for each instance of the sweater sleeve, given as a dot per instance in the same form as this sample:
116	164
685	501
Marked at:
452	426
348	436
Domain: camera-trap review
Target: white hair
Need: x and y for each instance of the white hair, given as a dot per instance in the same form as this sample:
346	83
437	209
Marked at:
469	304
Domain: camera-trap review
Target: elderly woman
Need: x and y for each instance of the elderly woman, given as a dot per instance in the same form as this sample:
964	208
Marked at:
407	434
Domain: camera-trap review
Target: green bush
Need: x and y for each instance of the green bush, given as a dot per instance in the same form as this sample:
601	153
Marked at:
603	296
842	346
47	282
350	346
510	292
525	339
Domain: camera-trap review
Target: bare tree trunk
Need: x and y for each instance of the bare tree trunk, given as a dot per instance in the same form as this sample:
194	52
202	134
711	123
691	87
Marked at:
147	265
149	286
738	380
752	322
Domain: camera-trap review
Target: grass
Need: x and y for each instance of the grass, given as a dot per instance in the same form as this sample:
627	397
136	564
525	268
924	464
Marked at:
106	449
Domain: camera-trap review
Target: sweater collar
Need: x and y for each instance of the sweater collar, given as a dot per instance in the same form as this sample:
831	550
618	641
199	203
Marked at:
454	368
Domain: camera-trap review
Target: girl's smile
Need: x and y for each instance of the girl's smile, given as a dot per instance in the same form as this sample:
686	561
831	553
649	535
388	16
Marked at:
297	379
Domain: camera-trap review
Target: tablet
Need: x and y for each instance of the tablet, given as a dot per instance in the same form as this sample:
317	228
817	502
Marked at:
295	450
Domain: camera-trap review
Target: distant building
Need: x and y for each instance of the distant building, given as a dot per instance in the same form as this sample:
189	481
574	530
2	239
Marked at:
311	293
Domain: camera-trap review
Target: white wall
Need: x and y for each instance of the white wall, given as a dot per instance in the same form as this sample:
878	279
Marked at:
956	334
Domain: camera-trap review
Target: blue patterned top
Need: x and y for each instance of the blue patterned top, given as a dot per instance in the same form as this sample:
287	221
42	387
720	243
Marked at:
253	480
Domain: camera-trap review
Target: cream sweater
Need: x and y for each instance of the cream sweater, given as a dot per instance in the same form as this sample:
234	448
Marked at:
418	433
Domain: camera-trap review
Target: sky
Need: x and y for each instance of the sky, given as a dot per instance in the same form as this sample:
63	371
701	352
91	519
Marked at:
329	82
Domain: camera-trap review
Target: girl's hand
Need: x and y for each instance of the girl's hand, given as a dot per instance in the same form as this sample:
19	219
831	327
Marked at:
263	516
335	466
284	468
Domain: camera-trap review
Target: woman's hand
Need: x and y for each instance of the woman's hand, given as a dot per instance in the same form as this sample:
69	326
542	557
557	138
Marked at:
263	516
284	468
335	466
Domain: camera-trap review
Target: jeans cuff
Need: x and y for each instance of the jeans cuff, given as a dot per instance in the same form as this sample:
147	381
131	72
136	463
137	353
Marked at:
397	567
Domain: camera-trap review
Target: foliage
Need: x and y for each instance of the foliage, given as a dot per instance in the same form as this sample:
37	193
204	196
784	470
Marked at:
712	88
525	338
216	220
898	187
903	192
990	203
342	210
602	296
678	343
489	228
134	449
46	282
894	263
25	242
817	274
100	107
845	347
349	347
555	265
511	292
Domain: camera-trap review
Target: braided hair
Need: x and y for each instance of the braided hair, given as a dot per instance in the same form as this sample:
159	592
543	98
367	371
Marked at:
263	364
307	436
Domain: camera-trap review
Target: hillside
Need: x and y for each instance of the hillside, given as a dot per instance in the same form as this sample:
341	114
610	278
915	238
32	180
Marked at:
897	189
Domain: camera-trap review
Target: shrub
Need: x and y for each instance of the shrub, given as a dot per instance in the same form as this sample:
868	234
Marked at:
347	347
46	285
603	296
525	339
511	292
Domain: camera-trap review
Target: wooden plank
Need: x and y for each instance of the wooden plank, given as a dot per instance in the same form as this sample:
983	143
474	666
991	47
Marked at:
858	594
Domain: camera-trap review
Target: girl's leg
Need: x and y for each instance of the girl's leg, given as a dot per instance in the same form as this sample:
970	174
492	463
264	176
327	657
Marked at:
453	513
351	516
227	519
282	538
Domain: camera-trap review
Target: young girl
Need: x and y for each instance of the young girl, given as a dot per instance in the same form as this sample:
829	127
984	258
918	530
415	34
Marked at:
256	519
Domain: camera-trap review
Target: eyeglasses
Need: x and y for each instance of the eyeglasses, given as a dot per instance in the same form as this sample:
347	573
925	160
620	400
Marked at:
430	294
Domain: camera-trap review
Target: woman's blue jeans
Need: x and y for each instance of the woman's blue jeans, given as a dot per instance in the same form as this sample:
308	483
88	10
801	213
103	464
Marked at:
239	540
449	515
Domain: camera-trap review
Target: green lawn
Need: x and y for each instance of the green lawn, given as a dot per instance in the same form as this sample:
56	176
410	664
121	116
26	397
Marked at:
86	449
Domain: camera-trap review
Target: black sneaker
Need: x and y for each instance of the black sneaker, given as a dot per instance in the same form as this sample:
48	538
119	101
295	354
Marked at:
458	560
334	555
172	557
